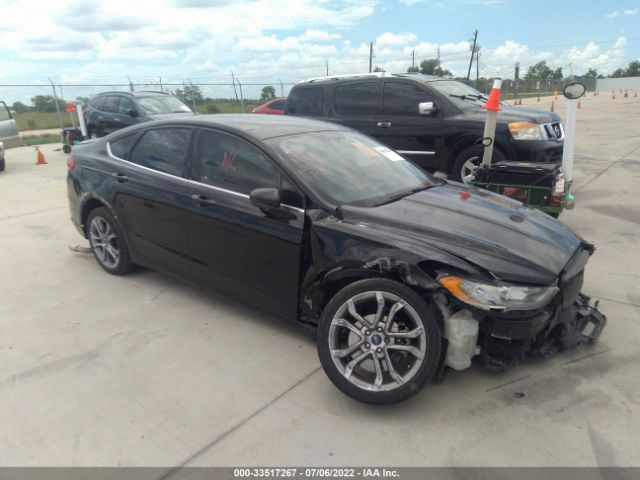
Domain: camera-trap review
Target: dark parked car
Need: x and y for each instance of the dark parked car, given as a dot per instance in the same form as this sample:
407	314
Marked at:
272	107
399	273
435	122
111	111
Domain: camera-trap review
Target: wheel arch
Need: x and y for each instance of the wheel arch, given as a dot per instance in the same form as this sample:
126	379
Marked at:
88	205
468	141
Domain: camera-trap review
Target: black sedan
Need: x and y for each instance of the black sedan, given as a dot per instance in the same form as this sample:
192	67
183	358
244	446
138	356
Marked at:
400	274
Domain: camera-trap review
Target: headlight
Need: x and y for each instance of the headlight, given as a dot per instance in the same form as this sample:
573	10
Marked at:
526	131
489	296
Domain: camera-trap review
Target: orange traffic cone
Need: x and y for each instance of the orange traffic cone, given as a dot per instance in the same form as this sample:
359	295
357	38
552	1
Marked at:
613	97
552	106
493	102
40	160
626	94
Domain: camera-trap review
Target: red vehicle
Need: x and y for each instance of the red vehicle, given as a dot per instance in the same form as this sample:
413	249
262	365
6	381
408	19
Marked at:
272	107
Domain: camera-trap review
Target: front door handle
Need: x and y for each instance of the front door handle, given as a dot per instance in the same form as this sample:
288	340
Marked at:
384	124
200	201
120	177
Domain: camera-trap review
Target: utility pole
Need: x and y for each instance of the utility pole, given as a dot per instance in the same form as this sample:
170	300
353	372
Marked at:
413	59
326	62
233	79
370	56
473	51
130	84
55	99
478	63
516	81
438	55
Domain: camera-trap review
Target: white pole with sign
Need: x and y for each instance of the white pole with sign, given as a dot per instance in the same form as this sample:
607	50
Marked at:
572	93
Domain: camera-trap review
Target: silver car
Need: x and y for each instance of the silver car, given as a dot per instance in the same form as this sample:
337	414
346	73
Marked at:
9	135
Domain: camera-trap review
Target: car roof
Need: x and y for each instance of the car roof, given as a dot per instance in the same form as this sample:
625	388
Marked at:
361	76
259	126
141	93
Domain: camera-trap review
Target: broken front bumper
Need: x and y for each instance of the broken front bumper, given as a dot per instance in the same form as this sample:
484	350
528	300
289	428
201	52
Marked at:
504	341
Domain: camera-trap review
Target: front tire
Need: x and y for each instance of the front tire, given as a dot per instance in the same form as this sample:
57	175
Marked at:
107	242
378	341
2	165
468	159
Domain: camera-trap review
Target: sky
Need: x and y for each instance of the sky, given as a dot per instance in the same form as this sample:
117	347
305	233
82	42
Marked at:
273	41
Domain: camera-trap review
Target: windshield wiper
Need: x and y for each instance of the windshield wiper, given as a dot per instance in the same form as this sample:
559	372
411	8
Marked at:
473	98
404	193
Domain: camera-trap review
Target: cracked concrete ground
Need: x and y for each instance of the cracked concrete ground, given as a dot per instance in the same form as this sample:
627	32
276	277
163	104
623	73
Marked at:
147	370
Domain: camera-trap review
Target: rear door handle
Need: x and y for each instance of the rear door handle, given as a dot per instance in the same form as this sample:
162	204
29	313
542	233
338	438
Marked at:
200	201
120	177
384	124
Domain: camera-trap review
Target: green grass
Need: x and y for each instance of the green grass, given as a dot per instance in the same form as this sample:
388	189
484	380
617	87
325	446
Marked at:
41	139
42	120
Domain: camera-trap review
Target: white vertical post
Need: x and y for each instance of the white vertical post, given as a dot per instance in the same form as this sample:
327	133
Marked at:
492	106
83	127
569	139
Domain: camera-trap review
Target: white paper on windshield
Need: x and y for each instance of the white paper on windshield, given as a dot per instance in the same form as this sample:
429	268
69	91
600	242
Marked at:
390	154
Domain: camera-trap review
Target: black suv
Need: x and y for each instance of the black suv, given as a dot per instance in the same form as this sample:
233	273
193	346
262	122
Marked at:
435	122
111	111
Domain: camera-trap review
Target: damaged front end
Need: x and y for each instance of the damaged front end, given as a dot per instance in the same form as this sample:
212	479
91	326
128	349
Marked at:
502	334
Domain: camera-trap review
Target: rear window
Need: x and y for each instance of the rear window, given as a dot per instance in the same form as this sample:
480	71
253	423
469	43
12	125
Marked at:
356	99
163	149
306	101
278	105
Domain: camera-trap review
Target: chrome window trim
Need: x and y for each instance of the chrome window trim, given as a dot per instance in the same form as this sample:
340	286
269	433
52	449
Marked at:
193	182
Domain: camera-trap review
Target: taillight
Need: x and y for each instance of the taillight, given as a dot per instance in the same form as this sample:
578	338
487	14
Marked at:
71	164
515	193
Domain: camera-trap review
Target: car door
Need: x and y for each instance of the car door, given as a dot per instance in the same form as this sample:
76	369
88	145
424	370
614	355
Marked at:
307	101
403	128
9	135
151	193
109	118
124	117
235	246
356	105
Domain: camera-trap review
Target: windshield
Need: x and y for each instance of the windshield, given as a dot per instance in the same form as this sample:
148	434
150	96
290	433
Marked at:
162	104
463	96
348	168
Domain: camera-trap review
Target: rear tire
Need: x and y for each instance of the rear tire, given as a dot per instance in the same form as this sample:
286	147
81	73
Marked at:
2	165
378	341
93	133
107	242
470	157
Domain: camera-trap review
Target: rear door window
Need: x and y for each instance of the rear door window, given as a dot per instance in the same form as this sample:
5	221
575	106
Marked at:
357	99
307	101
403	98
125	106
163	149
227	162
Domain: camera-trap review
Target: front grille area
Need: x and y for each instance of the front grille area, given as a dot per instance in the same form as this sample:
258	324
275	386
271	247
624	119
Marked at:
554	131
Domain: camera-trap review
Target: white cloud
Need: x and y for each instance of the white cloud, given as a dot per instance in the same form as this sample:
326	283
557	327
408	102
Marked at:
630	11
389	39
409	3
319	35
612	14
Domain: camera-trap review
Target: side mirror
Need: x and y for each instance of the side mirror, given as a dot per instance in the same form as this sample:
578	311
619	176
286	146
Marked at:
426	108
574	91
265	198
133	113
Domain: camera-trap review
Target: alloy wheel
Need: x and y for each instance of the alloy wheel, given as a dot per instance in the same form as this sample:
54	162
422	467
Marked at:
468	168
377	341
104	242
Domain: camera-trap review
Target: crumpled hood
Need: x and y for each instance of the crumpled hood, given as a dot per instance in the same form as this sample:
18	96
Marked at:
513	242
